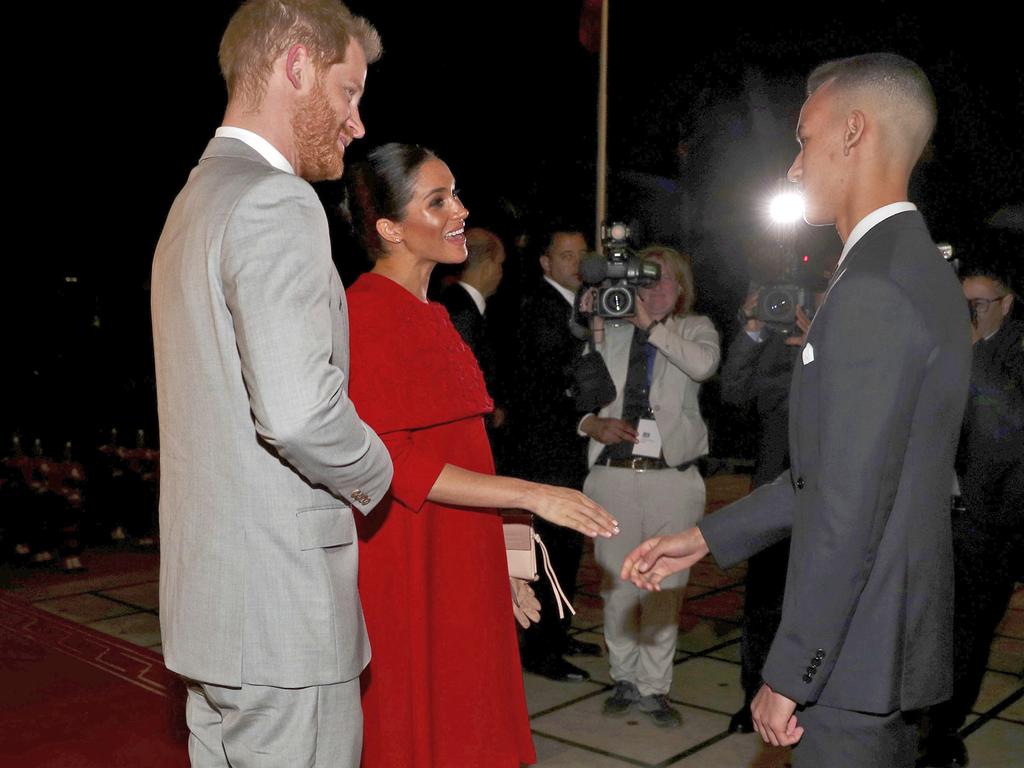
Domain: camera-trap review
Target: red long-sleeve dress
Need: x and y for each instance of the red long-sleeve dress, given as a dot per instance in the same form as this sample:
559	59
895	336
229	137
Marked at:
444	686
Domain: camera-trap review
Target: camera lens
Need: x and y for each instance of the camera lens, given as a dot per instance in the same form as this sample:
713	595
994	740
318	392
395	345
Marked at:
778	306
616	301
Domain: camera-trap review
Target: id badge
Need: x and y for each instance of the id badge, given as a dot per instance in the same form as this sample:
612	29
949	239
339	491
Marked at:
650	439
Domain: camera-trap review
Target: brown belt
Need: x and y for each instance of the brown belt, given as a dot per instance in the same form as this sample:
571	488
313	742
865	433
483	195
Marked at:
643	463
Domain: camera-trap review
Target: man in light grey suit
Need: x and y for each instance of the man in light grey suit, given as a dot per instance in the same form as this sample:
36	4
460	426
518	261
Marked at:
875	406
263	457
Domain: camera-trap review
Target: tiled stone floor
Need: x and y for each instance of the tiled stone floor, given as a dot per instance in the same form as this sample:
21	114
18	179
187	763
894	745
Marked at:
568	727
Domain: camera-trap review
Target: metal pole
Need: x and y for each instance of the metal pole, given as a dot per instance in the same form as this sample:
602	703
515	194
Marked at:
602	128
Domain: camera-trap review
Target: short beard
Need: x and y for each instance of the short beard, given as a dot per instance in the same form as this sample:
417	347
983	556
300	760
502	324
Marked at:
315	130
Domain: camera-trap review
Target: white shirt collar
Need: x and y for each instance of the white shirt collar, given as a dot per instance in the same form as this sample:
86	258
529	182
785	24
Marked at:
475	295
267	150
566	293
877	216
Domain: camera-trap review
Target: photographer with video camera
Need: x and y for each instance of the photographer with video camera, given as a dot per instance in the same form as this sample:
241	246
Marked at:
644	445
757	370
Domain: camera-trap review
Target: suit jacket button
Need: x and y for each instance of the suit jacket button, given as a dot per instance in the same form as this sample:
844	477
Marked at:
800	483
807	678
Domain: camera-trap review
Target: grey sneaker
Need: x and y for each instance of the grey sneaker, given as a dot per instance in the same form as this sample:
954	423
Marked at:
624	696
663	714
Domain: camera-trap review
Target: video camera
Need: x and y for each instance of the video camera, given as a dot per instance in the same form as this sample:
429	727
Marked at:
777	302
618	274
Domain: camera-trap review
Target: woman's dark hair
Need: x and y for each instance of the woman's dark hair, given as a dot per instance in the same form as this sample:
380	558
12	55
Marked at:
379	188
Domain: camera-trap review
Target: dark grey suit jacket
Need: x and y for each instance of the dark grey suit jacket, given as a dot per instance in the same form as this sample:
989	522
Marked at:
875	409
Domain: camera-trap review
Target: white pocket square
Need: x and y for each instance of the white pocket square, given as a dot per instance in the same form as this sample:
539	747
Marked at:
808	354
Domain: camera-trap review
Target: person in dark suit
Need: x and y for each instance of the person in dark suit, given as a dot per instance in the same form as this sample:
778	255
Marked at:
875	409
988	535
548	447
466	302
757	371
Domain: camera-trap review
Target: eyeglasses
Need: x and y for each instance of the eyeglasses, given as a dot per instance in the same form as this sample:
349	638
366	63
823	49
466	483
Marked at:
983	304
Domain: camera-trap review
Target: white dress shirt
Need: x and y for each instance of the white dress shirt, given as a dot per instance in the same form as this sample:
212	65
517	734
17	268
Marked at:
877	216
476	296
268	151
566	293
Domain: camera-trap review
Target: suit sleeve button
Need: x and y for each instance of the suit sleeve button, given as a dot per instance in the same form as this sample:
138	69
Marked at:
820	654
807	678
800	483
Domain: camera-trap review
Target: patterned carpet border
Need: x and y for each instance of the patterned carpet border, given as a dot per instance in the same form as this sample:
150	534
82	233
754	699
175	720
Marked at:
139	666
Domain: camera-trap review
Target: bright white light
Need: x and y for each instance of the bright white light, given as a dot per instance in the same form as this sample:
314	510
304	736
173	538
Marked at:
786	208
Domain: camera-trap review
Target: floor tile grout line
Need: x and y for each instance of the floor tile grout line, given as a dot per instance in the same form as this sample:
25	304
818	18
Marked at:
139	608
992	713
87	591
694	749
595	750
605	687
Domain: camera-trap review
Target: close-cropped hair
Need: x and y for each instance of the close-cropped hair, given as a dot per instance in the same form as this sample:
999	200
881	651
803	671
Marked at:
381	187
679	265
559	227
991	271
261	31
898	79
481	244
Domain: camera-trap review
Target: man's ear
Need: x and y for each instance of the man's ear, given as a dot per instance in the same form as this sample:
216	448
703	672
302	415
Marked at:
853	130
1006	304
389	230
545	264
298	67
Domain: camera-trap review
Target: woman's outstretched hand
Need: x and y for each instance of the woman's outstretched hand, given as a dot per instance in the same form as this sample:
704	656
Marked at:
570	509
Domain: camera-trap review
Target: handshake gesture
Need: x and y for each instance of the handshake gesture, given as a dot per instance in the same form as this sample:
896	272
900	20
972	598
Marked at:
772	713
662	556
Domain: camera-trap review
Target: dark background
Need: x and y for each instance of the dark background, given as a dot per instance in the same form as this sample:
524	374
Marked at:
115	106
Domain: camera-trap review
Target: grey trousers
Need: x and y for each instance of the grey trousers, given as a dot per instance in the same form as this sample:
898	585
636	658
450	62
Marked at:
258	726
842	738
641	627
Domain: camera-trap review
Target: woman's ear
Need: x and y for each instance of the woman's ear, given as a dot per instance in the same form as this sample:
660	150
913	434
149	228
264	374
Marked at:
390	231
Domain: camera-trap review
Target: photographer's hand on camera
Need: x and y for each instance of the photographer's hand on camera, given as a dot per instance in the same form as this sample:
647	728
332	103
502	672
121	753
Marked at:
642	319
608	431
587	301
749	313
803	323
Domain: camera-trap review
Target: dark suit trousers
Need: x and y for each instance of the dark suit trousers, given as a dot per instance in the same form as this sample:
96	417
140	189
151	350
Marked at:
987	560
842	738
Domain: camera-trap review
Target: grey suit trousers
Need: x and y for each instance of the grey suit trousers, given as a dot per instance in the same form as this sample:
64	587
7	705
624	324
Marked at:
259	726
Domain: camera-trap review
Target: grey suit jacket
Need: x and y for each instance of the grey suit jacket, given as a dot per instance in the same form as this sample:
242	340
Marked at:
263	456
875	408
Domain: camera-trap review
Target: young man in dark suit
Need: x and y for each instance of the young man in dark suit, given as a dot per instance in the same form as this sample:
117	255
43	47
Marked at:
875	408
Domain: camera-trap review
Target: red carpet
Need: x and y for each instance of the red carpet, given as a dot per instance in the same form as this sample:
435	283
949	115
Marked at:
76	698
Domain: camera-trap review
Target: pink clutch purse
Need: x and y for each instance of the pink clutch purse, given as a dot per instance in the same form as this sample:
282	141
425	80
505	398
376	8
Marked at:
522	555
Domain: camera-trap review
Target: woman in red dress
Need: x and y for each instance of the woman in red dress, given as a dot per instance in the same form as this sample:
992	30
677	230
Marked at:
444	687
